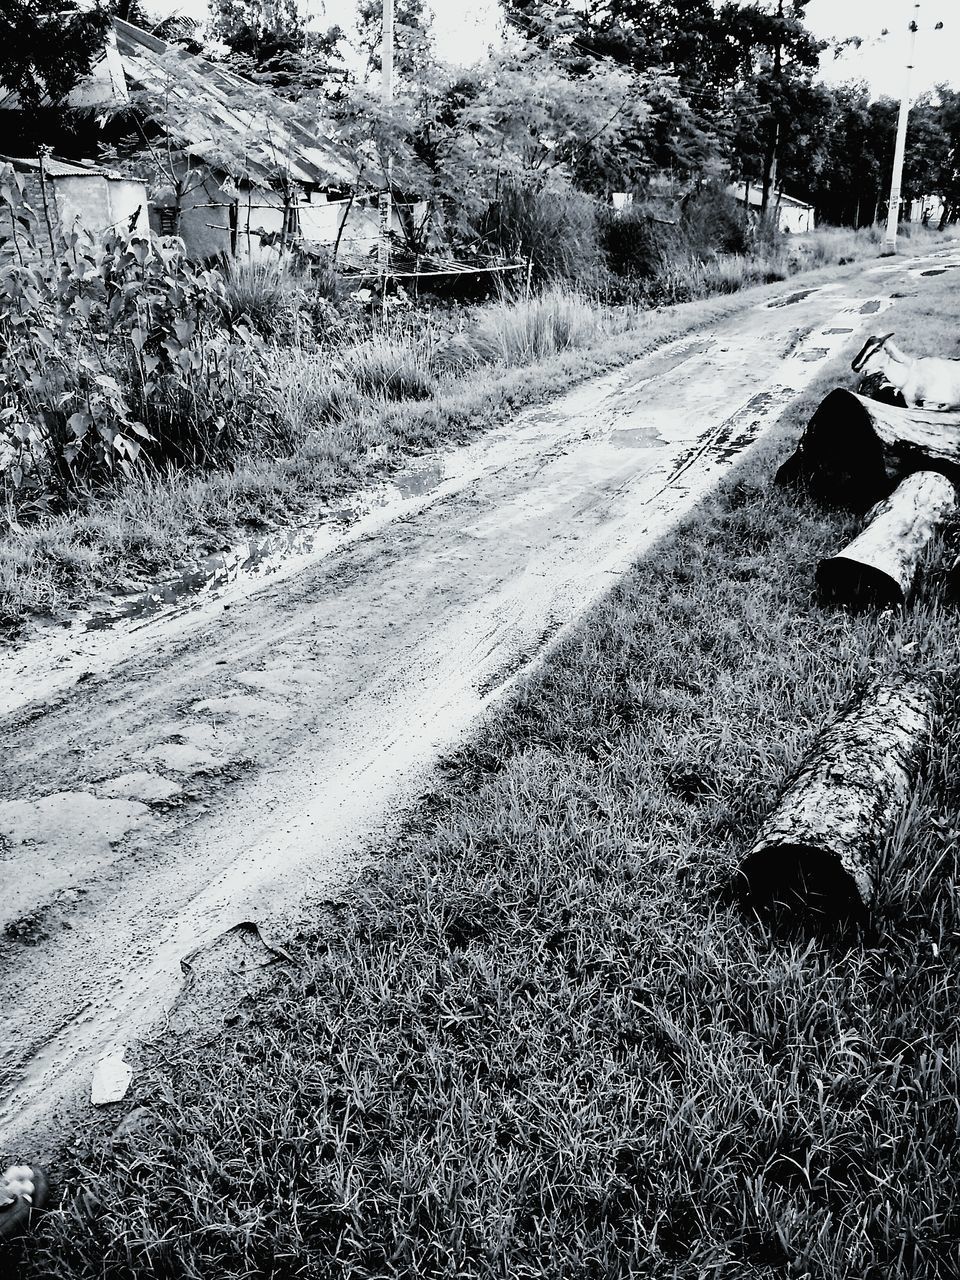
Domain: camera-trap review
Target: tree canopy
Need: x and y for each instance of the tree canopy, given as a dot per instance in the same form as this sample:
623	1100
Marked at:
46	46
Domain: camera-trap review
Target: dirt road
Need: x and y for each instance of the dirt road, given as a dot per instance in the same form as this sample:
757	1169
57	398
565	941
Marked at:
231	757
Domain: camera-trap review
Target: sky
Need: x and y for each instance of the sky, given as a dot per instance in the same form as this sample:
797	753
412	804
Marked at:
465	27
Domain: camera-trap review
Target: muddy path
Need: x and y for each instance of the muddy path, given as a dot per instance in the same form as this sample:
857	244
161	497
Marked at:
232	757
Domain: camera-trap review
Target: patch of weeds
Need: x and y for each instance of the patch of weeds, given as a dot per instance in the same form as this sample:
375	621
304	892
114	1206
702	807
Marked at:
28	930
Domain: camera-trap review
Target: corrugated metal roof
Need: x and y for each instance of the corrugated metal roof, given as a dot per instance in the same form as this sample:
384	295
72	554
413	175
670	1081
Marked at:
56	168
739	189
306	157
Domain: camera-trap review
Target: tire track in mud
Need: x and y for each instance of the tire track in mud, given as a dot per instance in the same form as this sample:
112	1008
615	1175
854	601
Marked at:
233	761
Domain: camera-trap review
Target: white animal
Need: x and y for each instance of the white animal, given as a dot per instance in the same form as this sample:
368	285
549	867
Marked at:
925	382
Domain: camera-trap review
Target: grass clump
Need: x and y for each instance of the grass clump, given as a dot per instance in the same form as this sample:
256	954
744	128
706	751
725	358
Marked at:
543	1039
389	368
526	332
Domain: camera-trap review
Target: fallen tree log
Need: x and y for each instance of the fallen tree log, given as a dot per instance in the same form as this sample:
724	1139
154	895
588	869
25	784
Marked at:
818	851
880	564
853	449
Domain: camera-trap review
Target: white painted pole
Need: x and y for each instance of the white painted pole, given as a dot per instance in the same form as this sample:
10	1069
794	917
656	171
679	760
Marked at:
896	182
386	197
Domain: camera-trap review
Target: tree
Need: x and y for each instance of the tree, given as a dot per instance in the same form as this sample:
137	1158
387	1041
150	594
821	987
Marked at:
949	114
521	118
413	48
927	164
260	31
269	43
47	46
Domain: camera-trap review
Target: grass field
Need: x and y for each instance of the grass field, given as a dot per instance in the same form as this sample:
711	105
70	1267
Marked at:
544	1039
350	414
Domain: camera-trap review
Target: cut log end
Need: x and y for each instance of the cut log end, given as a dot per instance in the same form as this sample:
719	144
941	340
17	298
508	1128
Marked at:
854	449
803	880
819	849
858	586
839	458
879	568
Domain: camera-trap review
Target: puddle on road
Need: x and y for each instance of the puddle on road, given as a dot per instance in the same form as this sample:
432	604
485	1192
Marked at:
257	558
814	354
419	481
73	834
790	299
636	438
253	558
871	308
830	332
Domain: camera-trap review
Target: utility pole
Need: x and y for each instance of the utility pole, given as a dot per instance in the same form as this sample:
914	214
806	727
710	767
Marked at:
386	195
770	156
896	181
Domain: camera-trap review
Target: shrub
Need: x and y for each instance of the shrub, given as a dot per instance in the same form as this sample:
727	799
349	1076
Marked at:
712	221
556	230
518	333
633	242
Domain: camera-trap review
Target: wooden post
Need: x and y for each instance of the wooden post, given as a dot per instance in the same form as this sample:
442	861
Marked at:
386	195
879	566
819	849
851	443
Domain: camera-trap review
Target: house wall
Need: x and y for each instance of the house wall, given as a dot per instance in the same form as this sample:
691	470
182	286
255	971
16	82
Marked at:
795	218
93	201
99	204
932	205
205	222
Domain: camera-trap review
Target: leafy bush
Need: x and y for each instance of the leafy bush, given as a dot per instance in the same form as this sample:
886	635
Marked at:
109	350
555	230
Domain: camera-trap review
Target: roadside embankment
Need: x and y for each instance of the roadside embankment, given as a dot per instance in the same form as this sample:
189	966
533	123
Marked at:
317	413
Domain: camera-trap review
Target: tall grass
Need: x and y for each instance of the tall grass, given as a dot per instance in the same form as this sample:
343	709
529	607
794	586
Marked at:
526	331
555	231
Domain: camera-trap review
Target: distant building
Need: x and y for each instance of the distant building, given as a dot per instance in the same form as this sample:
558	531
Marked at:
926	209
793	215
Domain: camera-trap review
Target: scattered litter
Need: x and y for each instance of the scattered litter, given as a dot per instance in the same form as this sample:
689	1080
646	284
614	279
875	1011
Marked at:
111	1079
247	927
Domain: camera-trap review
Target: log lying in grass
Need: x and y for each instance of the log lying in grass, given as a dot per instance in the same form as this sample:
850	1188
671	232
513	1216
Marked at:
853	448
879	566
819	849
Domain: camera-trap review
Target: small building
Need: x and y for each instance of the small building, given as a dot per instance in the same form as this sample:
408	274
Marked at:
927	210
69	194
793	216
252	173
